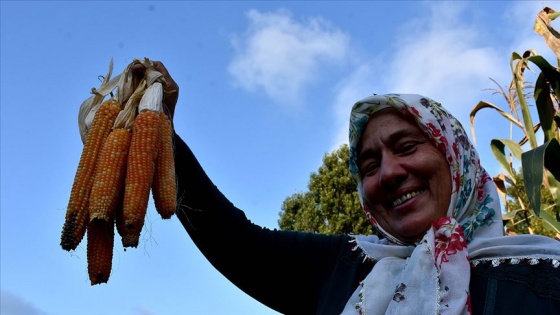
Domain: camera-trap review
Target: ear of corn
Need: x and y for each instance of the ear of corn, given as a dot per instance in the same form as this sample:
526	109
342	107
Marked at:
144	147
100	244
76	214
164	186
126	154
110	171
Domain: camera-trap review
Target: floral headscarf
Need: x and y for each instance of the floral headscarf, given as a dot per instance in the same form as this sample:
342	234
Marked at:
432	276
474	200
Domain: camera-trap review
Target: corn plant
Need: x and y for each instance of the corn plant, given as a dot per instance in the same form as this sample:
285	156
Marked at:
540	161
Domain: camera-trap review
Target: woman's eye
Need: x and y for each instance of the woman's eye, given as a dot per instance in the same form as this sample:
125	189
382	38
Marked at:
408	146
369	168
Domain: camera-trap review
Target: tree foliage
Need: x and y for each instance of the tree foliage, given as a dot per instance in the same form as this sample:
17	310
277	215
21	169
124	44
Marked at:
331	205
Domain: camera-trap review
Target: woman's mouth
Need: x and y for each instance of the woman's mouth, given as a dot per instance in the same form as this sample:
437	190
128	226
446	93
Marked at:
405	198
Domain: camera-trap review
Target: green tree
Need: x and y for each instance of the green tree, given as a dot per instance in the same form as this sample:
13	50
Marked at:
331	205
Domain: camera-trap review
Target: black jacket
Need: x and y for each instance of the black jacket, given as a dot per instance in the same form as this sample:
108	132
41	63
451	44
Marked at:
308	273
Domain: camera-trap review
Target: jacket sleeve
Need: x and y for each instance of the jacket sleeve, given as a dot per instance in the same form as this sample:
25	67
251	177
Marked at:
285	270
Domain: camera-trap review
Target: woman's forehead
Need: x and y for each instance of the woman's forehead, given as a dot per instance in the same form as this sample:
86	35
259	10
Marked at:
417	109
389	119
387	127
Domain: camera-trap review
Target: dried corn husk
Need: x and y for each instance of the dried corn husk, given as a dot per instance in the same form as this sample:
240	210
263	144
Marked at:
152	98
89	106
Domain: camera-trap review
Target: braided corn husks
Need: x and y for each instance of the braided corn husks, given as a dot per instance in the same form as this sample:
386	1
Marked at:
128	152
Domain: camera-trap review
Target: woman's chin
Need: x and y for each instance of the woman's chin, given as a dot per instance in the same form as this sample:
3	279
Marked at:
413	232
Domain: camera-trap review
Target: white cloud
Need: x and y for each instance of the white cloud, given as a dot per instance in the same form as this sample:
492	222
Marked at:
442	56
15	305
282	56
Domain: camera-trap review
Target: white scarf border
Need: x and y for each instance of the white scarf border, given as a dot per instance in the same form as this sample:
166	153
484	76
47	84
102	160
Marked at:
534	256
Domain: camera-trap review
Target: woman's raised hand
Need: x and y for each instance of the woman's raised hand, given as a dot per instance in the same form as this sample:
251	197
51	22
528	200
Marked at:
171	89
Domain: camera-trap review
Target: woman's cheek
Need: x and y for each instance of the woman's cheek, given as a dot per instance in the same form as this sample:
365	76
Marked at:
369	189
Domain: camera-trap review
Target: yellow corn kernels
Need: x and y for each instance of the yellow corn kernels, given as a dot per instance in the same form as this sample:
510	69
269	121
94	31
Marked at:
143	153
110	172
164	186
100	244
77	213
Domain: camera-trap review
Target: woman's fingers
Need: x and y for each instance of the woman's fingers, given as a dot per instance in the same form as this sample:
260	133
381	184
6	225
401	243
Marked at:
171	89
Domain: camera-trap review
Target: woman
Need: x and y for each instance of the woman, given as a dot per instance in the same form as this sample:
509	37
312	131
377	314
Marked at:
421	184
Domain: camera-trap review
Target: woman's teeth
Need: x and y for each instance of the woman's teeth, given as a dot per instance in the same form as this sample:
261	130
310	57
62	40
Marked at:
405	198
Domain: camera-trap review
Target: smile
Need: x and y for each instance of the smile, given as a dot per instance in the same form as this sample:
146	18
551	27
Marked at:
405	198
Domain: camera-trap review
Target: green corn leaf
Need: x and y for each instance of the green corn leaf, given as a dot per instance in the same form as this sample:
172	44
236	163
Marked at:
545	107
548	70
555	193
552	158
533	163
550	222
498	149
511	214
519	82
484	104
553	16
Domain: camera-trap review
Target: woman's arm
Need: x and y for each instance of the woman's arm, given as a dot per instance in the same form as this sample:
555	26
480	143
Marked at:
284	270
291	272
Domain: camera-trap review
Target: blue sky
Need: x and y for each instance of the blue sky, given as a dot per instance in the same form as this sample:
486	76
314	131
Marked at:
266	88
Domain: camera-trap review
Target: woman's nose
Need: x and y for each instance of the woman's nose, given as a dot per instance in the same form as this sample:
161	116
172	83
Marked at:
392	172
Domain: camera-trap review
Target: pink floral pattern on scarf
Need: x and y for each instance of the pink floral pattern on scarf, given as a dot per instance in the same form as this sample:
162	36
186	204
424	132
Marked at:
449	239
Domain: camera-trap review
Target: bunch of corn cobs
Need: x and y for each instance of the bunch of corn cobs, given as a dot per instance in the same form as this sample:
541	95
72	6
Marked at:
128	152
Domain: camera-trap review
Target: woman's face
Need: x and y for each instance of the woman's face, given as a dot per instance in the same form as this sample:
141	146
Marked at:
406	181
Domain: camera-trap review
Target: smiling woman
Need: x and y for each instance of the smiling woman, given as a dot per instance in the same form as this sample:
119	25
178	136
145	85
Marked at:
421	184
406	181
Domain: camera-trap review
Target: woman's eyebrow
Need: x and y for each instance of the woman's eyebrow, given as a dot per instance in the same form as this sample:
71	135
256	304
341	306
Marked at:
407	132
364	155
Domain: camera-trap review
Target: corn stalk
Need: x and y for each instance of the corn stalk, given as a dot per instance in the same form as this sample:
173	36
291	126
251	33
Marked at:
541	161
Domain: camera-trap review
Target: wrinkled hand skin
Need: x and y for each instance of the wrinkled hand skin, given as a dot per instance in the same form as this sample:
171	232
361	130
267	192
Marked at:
171	89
